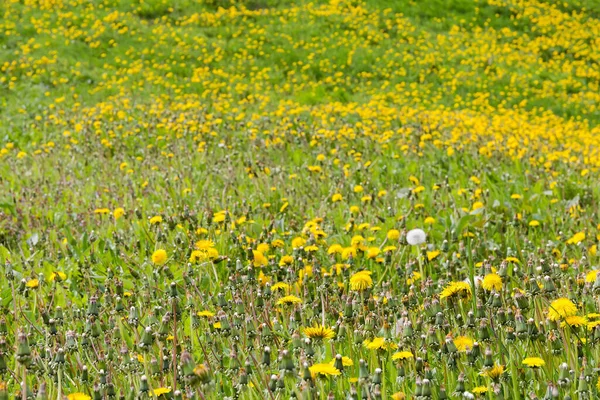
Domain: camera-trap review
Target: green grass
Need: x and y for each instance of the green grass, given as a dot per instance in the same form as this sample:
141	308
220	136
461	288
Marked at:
240	124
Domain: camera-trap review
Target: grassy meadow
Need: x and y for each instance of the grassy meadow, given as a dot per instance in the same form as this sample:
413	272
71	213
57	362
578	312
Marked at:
274	199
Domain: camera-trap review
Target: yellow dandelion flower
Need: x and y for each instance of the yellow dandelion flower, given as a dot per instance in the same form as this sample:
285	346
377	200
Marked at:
348	252
456	289
58	274
492	282
379	343
32	283
534	362
578	237
204	244
479	390
373	252
205	313
298	242
324	370
159	257
590	277
280	286
335	249
361	281
393	234
494	372
402	355
161	390
78	396
219	217
561	308
156	220
463	343
258	259
319	333
118	213
286	260
431	255
575	321
287	300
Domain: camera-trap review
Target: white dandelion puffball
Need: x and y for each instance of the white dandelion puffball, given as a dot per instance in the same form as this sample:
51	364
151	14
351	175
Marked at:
416	236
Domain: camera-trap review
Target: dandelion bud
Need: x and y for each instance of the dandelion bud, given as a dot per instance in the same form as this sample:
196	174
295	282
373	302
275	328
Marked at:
134	316
338	363
187	364
488	361
377	376
306	375
93	308
144	388
445	246
287	361
419	364
442	393
60	357
363	371
174	293
582	387
41	394
147	338
532	329
549	285
273	383
266	358
470	320
280	383
520	326
23	350
439	319
418	387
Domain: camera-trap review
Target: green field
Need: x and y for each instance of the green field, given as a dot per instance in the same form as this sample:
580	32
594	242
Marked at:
210	199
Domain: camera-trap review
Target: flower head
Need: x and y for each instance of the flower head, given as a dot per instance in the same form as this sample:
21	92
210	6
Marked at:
118	213
361	281
534	362
379	343
416	237
479	390
402	355
78	396
159	257
323	369
463	343
161	390
156	220
456	289
574	321
393	234
494	372
561	308
259	259
492	281
287	300
319	333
